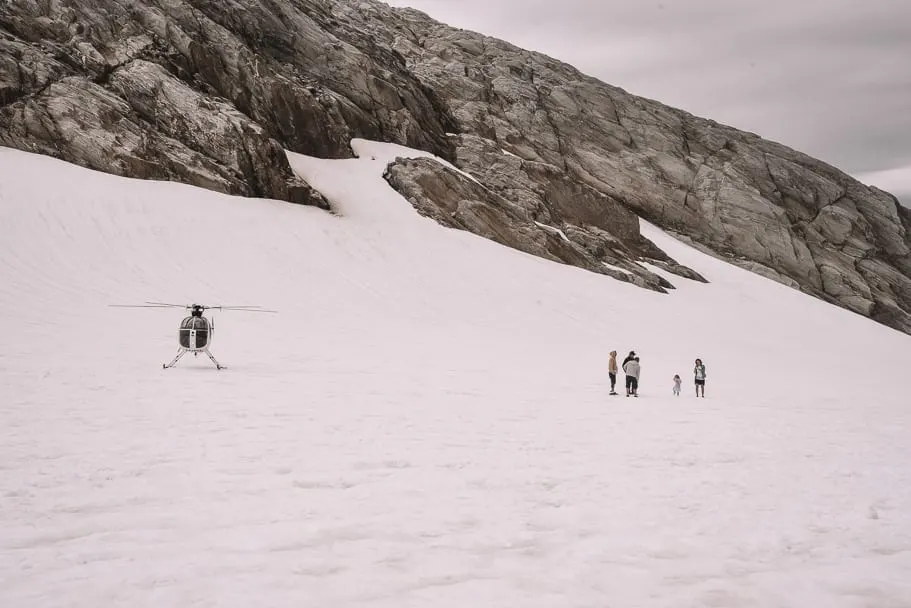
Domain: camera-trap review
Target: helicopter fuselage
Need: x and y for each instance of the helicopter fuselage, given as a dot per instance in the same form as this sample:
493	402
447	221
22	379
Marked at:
195	333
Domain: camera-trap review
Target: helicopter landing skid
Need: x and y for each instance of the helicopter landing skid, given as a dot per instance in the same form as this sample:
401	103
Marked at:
183	351
180	353
217	364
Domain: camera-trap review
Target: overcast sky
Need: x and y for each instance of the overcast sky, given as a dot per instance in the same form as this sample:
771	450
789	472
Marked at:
831	78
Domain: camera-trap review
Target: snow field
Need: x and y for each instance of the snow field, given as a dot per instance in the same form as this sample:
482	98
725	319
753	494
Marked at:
426	420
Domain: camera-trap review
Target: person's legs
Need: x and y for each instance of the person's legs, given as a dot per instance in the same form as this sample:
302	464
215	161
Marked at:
629	384
613	381
635	387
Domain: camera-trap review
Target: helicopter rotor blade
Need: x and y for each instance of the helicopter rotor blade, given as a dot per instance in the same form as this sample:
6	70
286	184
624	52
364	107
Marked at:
168	305
244	308
137	306
189	306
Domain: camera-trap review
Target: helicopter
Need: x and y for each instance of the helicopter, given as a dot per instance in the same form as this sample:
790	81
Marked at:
196	331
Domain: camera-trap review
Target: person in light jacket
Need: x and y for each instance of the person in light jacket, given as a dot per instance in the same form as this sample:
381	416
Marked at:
632	369
612	371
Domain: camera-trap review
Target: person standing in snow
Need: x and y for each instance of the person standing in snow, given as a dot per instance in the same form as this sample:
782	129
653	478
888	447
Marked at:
612	371
631	369
699	373
677	382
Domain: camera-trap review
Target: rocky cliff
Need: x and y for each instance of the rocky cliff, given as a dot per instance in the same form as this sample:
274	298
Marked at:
209	92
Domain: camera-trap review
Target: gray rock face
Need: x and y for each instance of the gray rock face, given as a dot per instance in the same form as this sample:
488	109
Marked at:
209	92
202	92
756	203
454	200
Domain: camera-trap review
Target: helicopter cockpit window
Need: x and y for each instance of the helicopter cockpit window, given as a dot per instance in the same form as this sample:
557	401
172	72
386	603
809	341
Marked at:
194	323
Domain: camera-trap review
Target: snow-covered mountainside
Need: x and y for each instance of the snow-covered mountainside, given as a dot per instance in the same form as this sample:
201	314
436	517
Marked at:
210	93
426	421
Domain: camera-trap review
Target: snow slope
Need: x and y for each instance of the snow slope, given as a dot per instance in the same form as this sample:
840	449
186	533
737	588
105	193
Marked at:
426	422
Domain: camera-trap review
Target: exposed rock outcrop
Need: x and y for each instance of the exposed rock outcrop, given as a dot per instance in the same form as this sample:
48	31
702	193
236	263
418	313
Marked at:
208	93
202	92
457	201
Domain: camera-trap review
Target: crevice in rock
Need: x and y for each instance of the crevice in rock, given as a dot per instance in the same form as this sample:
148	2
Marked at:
25	96
561	150
686	142
619	121
842	196
776	188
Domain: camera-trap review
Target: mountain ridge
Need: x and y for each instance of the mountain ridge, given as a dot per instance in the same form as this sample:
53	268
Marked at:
209	93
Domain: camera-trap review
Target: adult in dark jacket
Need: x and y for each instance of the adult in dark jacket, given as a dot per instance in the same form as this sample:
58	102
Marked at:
699	373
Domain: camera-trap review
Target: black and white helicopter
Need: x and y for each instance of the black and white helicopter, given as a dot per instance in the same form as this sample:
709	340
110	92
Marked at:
195	332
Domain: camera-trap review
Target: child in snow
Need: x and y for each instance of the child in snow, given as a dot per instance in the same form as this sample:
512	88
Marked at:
677	385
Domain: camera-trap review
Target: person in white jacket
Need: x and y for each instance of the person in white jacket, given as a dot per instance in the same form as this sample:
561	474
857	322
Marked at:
632	369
